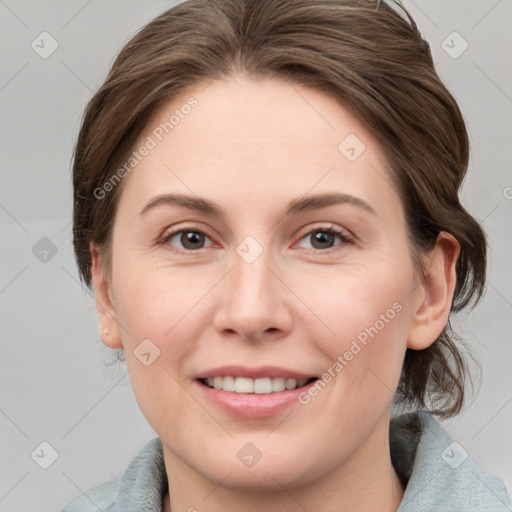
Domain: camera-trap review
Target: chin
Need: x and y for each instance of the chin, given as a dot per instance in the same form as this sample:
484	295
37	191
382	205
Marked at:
269	475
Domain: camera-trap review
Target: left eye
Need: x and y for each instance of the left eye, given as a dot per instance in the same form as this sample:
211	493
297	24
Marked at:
324	238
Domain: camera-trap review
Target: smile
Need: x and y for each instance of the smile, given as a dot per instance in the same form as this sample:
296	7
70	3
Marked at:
252	392
260	386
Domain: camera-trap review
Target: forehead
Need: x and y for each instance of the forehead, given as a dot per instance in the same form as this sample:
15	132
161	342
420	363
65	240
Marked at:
260	116
257	137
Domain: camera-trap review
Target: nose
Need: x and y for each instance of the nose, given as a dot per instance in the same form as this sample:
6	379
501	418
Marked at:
254	301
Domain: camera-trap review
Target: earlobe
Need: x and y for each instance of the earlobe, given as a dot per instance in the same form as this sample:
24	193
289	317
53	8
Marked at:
105	307
435	293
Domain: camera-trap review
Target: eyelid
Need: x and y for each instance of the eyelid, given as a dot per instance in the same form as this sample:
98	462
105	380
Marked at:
327	226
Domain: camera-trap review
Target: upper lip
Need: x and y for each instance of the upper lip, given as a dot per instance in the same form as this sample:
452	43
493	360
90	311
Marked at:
253	373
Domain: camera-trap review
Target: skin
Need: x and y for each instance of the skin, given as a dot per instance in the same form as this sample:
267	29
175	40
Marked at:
252	145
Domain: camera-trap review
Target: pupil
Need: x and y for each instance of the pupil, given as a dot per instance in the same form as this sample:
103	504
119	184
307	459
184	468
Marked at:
189	238
323	237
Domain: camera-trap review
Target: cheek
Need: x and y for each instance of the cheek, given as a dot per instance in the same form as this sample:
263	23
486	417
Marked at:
156	335
367	313
154	301
163	314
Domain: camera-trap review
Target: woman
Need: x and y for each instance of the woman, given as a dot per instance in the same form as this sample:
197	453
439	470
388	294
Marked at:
266	206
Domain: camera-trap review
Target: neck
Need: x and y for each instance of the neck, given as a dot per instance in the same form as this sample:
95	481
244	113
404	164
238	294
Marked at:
367	482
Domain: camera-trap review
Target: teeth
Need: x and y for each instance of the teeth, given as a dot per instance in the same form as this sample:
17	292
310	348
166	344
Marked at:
278	384
243	385
290	384
228	384
262	386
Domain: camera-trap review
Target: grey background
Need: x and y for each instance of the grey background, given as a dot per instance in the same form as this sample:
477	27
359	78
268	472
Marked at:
56	385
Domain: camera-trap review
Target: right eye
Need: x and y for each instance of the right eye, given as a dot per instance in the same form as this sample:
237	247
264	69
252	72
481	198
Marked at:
191	239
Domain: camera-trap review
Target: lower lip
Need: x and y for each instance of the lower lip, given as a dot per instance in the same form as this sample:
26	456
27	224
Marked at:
253	405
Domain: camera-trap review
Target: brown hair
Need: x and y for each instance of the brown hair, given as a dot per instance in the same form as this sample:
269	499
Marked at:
366	54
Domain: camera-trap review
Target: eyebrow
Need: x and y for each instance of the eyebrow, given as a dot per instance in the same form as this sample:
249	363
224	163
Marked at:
301	204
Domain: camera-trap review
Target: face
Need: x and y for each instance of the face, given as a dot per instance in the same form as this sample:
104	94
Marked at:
288	262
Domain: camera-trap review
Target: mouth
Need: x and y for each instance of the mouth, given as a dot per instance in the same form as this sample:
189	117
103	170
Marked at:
253	392
259	386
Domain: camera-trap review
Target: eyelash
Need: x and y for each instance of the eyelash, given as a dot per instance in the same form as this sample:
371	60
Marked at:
345	239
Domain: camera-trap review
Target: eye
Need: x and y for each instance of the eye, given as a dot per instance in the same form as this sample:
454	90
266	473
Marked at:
191	239
324	237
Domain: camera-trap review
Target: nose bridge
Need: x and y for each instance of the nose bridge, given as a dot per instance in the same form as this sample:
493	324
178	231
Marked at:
251	274
253	302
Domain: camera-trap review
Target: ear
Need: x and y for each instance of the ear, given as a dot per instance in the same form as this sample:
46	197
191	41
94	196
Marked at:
109	328
435	293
